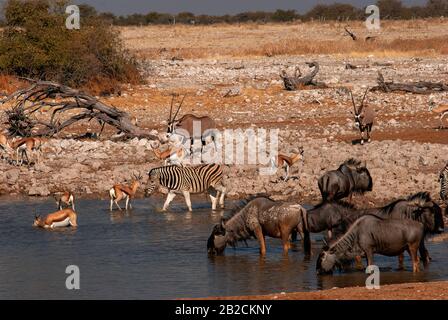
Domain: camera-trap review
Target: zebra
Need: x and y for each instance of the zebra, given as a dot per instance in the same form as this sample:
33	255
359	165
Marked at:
186	180
443	179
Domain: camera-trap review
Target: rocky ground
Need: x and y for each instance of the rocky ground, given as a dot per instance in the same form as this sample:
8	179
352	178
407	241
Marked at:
240	92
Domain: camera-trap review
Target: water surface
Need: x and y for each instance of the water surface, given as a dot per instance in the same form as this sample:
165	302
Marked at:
145	254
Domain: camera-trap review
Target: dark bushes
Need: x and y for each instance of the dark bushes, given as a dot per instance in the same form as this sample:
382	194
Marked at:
36	44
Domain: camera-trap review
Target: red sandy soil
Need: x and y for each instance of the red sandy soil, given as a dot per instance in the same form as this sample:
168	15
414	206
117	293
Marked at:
404	291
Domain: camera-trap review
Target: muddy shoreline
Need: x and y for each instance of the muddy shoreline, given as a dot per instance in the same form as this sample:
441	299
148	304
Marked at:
437	290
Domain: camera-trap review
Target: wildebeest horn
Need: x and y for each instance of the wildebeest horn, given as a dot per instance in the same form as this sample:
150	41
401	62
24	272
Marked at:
178	109
353	101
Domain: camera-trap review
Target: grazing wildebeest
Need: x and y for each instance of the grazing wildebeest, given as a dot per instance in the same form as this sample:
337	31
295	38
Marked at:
364	117
418	207
351	177
371	235
260	217
191	126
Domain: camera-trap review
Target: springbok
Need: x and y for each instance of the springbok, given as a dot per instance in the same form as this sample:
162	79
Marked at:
61	218
285	162
119	192
27	146
5	143
442	110
364	116
65	198
171	156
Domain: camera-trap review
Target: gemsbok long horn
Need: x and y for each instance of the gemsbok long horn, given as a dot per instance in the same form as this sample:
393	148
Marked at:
364	98
171	108
353	101
178	109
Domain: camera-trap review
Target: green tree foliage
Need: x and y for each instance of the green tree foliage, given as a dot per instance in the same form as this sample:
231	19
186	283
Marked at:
35	43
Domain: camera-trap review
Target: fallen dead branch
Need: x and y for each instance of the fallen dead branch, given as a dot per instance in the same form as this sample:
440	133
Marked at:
39	111
297	81
420	87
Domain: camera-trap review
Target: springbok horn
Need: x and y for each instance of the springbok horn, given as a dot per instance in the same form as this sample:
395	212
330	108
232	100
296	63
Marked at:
353	101
180	105
325	242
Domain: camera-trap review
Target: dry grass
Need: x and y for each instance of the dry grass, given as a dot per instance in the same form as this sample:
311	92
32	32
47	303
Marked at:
10	84
398	38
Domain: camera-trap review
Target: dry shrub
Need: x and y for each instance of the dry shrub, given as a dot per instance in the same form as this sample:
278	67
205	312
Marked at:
36	44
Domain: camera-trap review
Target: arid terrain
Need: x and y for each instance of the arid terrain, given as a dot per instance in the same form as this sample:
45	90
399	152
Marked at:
206	63
231	73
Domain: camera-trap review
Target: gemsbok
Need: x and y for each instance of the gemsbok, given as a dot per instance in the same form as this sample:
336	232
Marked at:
120	192
364	116
65	198
59	219
191	126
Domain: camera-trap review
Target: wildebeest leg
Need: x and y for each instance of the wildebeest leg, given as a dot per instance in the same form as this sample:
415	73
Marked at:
169	198
424	254
294	236
260	237
285	232
412	249
187	200
358	263
369	256
400	261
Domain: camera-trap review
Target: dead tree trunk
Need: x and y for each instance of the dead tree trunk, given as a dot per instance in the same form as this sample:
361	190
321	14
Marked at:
56	99
297	82
420	87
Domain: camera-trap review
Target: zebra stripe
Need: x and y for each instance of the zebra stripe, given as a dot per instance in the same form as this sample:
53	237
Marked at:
443	178
193	179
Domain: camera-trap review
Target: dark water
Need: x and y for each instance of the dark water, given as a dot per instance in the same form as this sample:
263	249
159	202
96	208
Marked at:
150	255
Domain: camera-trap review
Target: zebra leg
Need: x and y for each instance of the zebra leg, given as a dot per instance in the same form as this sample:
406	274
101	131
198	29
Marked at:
213	193
187	199
222	194
169	198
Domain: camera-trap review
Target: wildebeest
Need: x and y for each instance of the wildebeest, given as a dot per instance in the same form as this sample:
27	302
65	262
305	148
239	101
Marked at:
260	217
364	117
191	126
371	235
338	216
351	177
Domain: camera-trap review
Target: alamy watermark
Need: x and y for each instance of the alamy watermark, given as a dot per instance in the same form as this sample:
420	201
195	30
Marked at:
73	281
73	21
373	20
373	280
